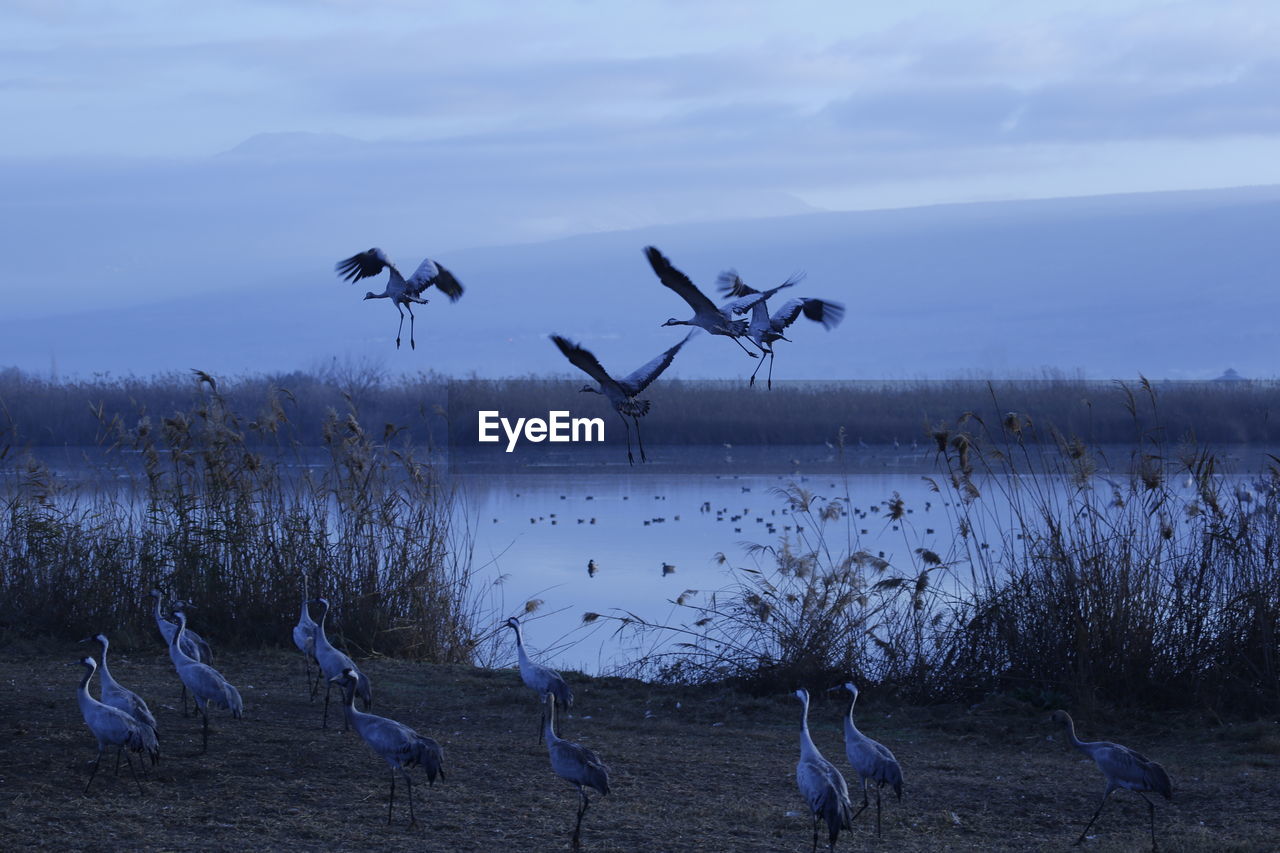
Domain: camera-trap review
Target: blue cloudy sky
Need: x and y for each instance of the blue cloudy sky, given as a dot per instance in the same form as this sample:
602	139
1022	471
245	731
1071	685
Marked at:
246	139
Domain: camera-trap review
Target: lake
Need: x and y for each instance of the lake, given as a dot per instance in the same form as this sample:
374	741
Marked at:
536	528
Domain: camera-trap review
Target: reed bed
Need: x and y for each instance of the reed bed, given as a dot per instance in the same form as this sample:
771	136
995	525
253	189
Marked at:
230	511
1149	580
437	411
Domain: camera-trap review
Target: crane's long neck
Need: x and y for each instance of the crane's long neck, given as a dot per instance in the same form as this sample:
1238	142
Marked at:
1071	736
807	749
520	652
849	724
549	733
82	693
321	639
349	702
175	645
106	673
156	610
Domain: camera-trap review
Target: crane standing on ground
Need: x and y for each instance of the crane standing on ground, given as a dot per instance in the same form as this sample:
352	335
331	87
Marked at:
576	765
205	683
1124	768
113	727
304	633
538	678
193	645
397	744
116	695
823	787
332	664
871	759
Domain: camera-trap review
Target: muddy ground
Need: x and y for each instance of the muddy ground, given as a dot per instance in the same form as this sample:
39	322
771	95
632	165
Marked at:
692	769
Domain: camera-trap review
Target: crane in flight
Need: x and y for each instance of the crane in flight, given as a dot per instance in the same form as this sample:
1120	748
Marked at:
403	292
622	393
718	320
764	329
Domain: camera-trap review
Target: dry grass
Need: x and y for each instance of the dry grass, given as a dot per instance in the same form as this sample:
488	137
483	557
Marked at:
992	777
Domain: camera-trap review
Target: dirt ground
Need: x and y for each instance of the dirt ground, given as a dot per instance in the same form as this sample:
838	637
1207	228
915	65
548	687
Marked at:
691	769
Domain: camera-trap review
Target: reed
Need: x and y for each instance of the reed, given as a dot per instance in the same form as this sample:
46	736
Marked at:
1148	577
229	511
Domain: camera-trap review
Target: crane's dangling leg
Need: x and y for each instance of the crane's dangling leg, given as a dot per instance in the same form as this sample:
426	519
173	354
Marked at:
639	440
1151	812
752	383
325	723
96	762
412	343
119	750
399	328
815	832
734	338
1102	803
769	384
627	427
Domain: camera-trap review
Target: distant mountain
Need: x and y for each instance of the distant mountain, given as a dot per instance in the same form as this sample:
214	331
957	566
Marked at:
1169	285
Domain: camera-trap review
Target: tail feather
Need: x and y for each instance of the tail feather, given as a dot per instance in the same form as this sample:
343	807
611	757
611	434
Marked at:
428	755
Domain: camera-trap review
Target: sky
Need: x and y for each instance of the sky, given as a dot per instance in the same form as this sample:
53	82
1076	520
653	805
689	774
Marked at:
154	146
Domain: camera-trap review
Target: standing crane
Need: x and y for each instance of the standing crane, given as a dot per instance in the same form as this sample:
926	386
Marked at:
1124	768
332	664
622	393
402	292
575	764
193	645
718	320
765	329
538	678
871	759
205	683
113	727
398	745
119	697
823	787
304	633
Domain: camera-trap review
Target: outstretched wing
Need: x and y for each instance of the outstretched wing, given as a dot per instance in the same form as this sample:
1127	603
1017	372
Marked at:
583	360
754	297
731	284
679	282
429	273
829	314
363	265
639	379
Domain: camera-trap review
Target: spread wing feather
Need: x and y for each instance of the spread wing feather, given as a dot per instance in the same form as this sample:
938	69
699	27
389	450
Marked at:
679	282
584	360
642	377
428	273
363	265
